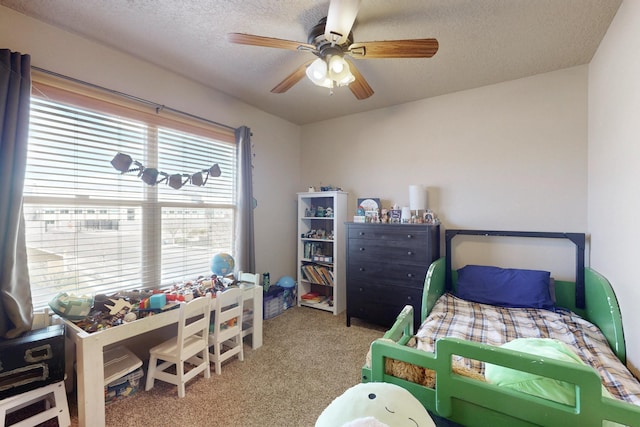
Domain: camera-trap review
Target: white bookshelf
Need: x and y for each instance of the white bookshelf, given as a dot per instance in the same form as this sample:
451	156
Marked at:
321	250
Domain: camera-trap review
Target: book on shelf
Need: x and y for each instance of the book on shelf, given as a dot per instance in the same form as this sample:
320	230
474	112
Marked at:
316	273
310	295
313	298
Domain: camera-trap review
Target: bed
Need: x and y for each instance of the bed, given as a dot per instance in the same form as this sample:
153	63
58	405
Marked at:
604	391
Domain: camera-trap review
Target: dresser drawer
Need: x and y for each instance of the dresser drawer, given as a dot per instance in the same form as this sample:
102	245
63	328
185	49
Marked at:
376	294
362	271
390	251
381	304
390	235
379	314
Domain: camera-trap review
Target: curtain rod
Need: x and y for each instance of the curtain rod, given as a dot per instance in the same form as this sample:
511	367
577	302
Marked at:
158	107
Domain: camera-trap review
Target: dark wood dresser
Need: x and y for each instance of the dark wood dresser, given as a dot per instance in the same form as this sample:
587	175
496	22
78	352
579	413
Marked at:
386	268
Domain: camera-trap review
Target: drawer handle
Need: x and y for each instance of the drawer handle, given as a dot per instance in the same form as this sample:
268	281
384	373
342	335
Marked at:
409	253
360	289
409	275
361	233
409	298
409	236
361	249
361	269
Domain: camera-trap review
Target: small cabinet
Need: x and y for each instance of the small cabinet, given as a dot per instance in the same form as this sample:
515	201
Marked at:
386	268
321	250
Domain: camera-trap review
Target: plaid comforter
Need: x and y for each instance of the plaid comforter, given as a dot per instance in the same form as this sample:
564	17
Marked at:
455	317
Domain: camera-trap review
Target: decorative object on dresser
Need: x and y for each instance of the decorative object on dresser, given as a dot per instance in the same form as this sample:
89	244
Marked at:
321	250
417	200
386	269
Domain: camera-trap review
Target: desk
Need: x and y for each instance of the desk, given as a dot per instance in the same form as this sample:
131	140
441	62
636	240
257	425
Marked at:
89	353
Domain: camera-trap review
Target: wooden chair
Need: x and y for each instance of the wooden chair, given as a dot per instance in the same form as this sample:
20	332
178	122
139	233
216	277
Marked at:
190	346
227	328
54	397
250	324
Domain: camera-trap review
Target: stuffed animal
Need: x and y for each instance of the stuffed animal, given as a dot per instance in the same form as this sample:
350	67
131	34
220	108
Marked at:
375	405
418	374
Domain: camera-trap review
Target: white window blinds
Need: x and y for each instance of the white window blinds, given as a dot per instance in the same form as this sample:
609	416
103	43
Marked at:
93	230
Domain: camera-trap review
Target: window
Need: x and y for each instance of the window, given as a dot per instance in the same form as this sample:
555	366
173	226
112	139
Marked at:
90	229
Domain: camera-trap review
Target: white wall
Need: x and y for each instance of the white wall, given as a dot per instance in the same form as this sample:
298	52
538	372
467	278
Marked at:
511	156
275	141
614	156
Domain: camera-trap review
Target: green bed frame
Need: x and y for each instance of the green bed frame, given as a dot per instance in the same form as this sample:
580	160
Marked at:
473	403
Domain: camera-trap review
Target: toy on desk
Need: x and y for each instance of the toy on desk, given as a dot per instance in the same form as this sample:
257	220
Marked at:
375	405
118	306
130	317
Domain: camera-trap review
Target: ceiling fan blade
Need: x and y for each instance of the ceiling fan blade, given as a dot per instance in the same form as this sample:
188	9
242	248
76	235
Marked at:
340	19
413	48
292	78
252	40
359	87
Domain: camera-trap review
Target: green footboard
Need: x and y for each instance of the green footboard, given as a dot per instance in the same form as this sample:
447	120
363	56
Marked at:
475	403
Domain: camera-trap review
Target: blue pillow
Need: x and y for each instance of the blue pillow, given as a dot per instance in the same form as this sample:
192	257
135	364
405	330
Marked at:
505	287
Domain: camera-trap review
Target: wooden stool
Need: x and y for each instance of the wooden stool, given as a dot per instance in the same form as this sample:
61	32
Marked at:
55	396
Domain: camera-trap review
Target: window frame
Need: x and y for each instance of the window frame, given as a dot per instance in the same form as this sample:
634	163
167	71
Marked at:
112	103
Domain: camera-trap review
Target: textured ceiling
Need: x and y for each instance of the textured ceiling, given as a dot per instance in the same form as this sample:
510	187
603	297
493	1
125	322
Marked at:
481	42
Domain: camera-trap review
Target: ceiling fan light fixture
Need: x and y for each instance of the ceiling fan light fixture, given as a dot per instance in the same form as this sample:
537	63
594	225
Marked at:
317	71
336	65
330	71
339	71
347	80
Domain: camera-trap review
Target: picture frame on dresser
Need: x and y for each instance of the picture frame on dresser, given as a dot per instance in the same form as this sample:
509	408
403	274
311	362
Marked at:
371	207
395	216
369	203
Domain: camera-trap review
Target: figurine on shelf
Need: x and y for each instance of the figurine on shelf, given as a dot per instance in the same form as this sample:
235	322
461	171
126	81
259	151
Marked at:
384	218
429	217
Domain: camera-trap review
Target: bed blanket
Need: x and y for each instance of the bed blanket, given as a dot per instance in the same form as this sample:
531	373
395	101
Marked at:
455	317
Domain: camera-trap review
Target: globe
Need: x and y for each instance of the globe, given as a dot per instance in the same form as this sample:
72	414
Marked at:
222	264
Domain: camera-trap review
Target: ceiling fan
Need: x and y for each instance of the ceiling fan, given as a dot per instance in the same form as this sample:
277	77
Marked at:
331	41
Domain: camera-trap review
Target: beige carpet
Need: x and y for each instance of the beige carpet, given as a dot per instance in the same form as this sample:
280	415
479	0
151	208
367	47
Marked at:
308	358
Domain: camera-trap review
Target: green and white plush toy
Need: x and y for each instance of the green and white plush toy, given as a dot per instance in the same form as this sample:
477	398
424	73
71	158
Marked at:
375	405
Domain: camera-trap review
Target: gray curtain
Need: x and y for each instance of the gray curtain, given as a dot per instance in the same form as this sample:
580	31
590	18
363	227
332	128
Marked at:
16	310
245	248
